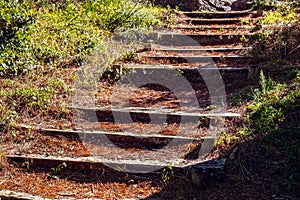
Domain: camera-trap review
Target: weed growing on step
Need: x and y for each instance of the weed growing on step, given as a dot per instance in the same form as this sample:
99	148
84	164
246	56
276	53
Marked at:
167	174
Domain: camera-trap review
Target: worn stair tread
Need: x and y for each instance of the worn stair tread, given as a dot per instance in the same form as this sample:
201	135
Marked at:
216	19
178	59
198	56
52	161
182	67
117	150
216	14
211	27
173	33
88	160
159	111
200	49
9	194
169	38
199	21
131	134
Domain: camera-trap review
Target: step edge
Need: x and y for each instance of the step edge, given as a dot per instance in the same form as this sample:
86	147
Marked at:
130	134
172	67
166	112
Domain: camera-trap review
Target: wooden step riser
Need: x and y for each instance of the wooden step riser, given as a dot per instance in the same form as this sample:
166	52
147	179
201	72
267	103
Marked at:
213	28
217	15
81	165
212	50
192	73
208	170
96	115
186	59
149	142
200	40
108	116
213	22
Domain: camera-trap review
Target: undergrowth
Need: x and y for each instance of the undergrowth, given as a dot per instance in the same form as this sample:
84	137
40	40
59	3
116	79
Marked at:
38	33
42	44
278	42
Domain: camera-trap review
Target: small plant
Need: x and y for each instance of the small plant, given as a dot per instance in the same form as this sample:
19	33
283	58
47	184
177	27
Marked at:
290	182
243	38
244	22
167	174
7	118
56	170
28	163
59	167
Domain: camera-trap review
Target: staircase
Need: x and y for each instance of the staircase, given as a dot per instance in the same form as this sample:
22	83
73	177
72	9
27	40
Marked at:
168	109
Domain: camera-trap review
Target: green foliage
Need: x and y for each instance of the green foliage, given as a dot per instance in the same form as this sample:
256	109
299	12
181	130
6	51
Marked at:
276	43
15	45
56	170
38	33
243	38
281	35
272	102
40	38
7	117
278	16
261	4
167	174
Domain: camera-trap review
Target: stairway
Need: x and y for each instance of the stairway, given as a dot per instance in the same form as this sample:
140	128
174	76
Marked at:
168	109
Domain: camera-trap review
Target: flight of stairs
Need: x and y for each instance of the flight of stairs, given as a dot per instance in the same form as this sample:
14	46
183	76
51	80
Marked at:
169	108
